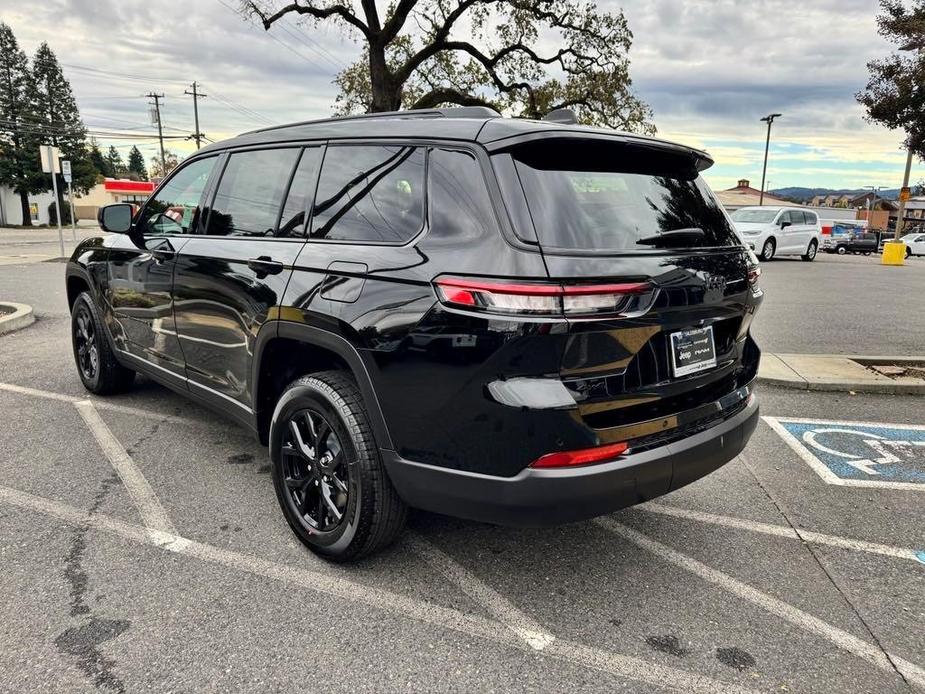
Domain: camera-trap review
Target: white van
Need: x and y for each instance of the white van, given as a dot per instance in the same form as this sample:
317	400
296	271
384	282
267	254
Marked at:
773	231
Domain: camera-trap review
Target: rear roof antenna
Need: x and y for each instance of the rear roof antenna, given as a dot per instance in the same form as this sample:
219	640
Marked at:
562	115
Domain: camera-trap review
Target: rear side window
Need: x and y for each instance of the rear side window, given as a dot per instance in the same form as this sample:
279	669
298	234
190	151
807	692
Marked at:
249	195
810	217
594	195
370	194
459	204
301	191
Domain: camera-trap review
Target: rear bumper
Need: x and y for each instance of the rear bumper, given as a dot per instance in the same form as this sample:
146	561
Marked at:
549	497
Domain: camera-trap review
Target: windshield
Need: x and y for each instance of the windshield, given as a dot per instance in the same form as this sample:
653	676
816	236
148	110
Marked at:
588	196
754	216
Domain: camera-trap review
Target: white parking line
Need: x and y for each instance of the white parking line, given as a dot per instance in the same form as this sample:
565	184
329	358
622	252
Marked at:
338	585
503	609
99	404
862	649
784	531
143	496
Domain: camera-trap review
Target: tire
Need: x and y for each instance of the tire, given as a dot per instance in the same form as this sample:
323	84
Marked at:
866	252
768	250
810	254
96	362
908	252
321	474
841	250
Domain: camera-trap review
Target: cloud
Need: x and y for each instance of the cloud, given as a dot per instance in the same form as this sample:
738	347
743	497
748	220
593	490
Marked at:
709	68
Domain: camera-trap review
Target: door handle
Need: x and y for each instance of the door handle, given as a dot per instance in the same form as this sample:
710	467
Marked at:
265	265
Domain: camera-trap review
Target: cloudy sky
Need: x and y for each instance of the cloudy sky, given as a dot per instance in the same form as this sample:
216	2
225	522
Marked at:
709	69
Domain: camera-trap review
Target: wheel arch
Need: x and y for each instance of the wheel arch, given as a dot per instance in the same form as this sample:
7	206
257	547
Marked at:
285	351
76	282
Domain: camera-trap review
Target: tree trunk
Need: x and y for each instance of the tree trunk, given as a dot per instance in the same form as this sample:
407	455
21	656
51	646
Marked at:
386	95
26	214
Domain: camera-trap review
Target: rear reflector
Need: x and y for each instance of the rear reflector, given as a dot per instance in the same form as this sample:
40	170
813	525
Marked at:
586	456
544	298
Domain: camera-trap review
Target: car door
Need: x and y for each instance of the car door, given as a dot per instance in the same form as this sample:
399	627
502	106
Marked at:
787	224
231	277
812	230
141	267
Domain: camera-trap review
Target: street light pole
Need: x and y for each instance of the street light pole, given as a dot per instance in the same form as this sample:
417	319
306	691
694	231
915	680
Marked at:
769	119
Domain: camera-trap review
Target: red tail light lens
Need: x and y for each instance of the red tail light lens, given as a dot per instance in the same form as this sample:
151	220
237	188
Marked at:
754	272
545	299
586	456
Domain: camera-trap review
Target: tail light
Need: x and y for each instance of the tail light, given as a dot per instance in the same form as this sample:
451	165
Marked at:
544	298
754	272
585	456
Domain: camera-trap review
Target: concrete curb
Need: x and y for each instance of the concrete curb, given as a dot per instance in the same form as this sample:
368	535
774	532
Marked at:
836	373
21	317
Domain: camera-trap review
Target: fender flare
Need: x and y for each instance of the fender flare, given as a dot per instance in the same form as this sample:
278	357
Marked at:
318	337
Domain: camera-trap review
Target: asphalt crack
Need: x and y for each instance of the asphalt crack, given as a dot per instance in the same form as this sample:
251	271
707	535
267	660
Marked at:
812	552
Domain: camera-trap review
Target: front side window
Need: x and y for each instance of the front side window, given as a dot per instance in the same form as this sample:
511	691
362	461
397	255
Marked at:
175	207
250	193
594	195
370	194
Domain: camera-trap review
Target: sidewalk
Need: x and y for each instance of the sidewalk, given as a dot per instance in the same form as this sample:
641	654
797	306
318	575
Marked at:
20	246
845	373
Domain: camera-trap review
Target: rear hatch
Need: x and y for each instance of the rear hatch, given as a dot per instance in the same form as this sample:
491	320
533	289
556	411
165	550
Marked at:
653	364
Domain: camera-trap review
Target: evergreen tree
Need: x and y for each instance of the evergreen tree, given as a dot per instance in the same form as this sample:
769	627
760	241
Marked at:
20	166
99	162
54	102
116	165
136	164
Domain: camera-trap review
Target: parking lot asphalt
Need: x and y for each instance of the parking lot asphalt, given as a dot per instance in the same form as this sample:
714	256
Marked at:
141	549
842	305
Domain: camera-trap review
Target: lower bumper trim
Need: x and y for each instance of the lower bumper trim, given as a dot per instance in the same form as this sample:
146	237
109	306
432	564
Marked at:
537	497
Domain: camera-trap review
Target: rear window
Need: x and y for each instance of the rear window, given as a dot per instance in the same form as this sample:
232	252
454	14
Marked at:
589	195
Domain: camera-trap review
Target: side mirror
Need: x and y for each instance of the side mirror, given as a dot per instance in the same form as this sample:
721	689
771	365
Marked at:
784	225
116	218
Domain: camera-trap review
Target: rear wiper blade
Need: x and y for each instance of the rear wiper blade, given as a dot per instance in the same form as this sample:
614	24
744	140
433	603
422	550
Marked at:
677	237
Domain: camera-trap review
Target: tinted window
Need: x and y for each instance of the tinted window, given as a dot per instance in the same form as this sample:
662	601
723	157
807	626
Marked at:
786	217
175	207
593	195
251	190
301	192
370	194
750	216
459	204
810	217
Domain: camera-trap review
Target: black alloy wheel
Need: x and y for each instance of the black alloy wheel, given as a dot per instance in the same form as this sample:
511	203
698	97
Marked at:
328	473
85	343
316	471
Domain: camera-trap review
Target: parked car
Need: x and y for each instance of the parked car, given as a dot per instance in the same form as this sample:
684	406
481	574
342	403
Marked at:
852	242
915	243
520	322
774	231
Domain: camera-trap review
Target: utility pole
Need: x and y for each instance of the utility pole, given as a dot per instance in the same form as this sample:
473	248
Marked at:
160	131
902	199
767	144
196	96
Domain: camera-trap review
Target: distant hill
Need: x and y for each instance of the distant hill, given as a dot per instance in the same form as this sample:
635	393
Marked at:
804	194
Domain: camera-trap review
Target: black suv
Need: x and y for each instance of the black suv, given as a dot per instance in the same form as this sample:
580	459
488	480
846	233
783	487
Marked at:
520	322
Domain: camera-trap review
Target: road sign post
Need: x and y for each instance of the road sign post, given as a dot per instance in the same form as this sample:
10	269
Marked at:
50	165
66	172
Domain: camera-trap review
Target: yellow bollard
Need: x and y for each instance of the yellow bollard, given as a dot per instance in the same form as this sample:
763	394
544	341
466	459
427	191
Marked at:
894	253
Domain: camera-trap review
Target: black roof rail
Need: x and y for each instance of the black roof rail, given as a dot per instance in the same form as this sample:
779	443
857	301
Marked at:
454	112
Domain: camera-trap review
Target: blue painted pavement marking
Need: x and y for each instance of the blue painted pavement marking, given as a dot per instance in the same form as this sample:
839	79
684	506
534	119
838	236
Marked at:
860	454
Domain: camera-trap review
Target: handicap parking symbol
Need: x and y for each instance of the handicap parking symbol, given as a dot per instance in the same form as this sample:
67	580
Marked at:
858	454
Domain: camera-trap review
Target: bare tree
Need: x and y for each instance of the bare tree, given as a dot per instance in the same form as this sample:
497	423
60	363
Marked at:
524	57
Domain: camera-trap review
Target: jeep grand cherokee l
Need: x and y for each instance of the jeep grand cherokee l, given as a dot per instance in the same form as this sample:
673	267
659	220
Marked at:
521	322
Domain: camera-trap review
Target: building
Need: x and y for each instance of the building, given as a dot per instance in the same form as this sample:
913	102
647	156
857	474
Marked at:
109	191
743	195
11	208
843	200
